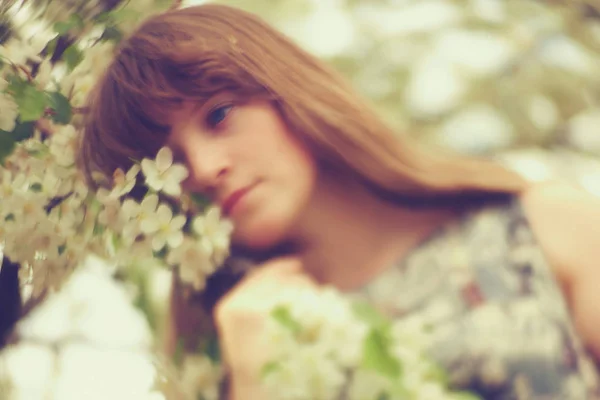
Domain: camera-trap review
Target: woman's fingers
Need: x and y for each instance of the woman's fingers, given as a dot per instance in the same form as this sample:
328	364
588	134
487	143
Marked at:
260	289
278	268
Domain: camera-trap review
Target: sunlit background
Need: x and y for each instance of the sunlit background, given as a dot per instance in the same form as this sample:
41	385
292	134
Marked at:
515	80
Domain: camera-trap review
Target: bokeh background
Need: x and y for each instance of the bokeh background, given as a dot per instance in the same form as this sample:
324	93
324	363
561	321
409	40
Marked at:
517	80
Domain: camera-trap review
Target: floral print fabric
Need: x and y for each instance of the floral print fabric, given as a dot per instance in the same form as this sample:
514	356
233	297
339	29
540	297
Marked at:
499	323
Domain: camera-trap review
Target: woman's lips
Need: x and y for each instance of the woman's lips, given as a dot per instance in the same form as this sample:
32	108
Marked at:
233	200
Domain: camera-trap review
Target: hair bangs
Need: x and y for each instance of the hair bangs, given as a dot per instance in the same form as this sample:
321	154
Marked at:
127	118
150	77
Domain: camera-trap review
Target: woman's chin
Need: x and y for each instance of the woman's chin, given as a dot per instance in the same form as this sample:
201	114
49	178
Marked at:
259	239
258	243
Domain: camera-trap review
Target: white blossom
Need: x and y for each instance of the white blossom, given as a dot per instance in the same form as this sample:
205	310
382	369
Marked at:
367	385
193	261
311	362
162	175
19	51
132	214
63	145
110	215
164	227
214	231
201	376
145	213
123	183
78	84
43	78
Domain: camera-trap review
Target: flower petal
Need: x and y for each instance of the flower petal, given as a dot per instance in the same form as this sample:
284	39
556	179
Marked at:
164	214
149	168
178	172
198	225
130	208
133	172
164	159
158	242
171	187
178	222
149	225
213	215
175	239
149	203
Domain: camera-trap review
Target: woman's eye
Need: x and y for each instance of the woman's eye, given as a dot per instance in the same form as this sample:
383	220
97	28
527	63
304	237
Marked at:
217	115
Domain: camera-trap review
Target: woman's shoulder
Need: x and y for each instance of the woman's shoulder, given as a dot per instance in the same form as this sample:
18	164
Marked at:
566	222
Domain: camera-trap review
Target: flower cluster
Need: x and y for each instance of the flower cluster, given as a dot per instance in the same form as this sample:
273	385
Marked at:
324	345
45	226
156	228
51	220
201	376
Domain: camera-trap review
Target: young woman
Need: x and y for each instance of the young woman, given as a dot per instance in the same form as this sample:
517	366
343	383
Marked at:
321	191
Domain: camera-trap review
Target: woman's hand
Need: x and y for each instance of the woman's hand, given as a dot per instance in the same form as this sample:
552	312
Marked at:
242	316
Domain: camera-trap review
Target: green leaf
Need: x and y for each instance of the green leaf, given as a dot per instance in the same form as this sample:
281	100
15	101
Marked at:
16	85
143	301
103	18
399	391
123	14
23	131
211	348
162	253
370	315
179	352
98	229
112	33
377	355
74	21
117	17
61	107
438	374
8	140
268	368
282	315
32	103
72	57
7	145
51	46
62	27
200	200
465	396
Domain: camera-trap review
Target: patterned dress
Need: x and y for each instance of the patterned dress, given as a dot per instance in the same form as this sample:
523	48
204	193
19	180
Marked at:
500	324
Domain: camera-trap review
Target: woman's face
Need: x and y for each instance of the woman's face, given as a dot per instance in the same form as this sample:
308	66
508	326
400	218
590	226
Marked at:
244	158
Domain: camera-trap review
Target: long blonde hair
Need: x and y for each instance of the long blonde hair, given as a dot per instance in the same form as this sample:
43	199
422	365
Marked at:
195	52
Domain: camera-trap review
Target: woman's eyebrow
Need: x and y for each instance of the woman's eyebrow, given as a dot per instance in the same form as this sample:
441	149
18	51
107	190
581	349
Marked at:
197	107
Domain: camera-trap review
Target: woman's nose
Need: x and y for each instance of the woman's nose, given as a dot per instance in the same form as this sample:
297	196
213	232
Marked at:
207	167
